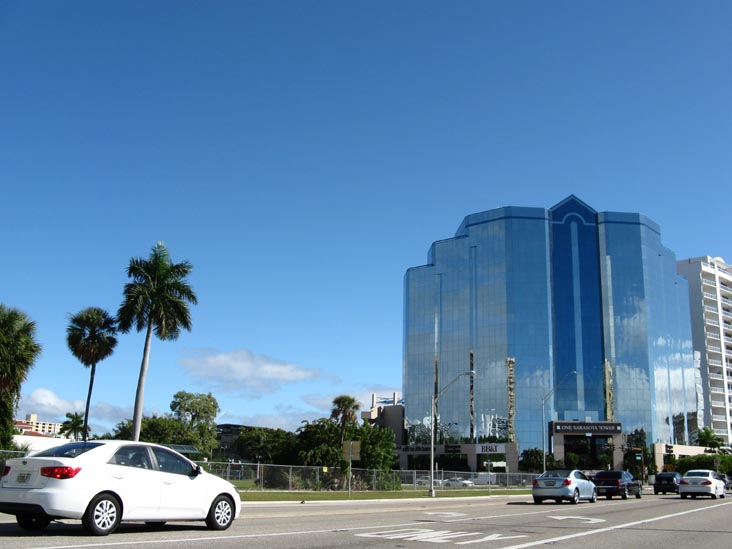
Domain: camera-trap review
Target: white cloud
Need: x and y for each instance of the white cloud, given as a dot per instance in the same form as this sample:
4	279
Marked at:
48	405
243	372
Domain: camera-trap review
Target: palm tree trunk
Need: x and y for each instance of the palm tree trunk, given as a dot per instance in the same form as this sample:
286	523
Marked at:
85	430
140	395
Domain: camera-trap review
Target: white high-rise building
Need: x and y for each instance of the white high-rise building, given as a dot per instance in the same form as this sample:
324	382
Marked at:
710	300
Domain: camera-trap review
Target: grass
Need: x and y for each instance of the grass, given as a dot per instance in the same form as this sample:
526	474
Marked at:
285	496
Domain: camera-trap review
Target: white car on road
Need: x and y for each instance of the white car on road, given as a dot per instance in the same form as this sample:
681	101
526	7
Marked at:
701	482
104	482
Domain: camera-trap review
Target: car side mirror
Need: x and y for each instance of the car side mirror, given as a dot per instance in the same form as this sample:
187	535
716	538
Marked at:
198	470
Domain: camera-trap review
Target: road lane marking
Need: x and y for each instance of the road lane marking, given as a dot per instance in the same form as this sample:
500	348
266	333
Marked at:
446	514
611	528
586	520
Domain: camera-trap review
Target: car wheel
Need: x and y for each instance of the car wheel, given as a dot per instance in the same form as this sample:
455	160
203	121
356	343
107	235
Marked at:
33	523
714	494
608	496
575	497
221	514
639	494
624	495
538	500
683	496
103	515
593	498
559	500
655	492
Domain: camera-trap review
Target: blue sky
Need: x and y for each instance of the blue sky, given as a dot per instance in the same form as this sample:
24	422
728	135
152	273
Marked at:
303	155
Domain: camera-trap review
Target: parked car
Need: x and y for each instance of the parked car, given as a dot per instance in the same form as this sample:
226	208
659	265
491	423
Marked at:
458	481
701	482
563	484
104	482
617	483
667	482
425	481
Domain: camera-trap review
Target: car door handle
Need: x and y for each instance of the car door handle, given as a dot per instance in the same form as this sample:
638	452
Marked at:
119	477
167	482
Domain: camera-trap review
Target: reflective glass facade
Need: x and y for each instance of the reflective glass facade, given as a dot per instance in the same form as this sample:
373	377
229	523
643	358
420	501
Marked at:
568	293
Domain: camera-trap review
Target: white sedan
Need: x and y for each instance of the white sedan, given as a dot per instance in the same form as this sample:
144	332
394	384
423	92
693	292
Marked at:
104	482
701	482
459	481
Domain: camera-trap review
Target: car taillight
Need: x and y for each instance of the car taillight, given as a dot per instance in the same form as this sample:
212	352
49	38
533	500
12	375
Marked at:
683	482
60	472
535	482
707	482
617	483
567	481
6	470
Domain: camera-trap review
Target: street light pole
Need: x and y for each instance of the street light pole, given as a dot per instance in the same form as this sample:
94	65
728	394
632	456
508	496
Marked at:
543	421
435	398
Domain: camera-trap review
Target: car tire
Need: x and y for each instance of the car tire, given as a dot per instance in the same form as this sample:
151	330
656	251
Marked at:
31	522
593	497
103	515
624	495
538	501
558	501
714	494
639	494
683	496
221	514
655	492
575	497
608	496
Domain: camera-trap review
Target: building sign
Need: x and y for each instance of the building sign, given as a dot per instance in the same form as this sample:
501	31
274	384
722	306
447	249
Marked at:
584	427
490	448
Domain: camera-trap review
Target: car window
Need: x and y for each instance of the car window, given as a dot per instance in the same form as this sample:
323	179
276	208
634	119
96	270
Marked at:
608	474
168	462
557	473
579	475
132	456
697	474
70	450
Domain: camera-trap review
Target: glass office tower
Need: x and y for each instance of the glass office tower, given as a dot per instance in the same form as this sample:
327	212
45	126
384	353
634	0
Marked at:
589	307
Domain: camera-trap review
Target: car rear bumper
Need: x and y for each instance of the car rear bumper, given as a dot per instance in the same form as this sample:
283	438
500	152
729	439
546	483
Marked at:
53	503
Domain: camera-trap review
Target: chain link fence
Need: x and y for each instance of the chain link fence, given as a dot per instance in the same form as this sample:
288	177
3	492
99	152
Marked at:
258	476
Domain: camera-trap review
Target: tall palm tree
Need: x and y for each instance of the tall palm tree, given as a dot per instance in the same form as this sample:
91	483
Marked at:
155	301
18	351
91	338
75	423
710	439
344	412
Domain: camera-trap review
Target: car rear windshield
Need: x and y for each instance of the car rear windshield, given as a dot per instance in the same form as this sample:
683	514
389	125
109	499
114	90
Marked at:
70	450
697	474
557	473
609	474
666	475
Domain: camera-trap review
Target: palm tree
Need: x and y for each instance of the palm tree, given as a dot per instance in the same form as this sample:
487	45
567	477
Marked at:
155	301
18	351
708	438
75	423
344	412
91	338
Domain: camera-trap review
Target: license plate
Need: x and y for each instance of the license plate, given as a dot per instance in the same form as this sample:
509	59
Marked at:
549	483
23	478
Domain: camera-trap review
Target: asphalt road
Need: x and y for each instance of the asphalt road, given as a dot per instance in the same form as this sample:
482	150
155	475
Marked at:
494	522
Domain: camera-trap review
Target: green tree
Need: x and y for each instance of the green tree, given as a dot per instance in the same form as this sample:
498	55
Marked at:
74	425
199	412
531	460
158	429
709	439
344	412
18	352
157	301
319	443
91	338
378	447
